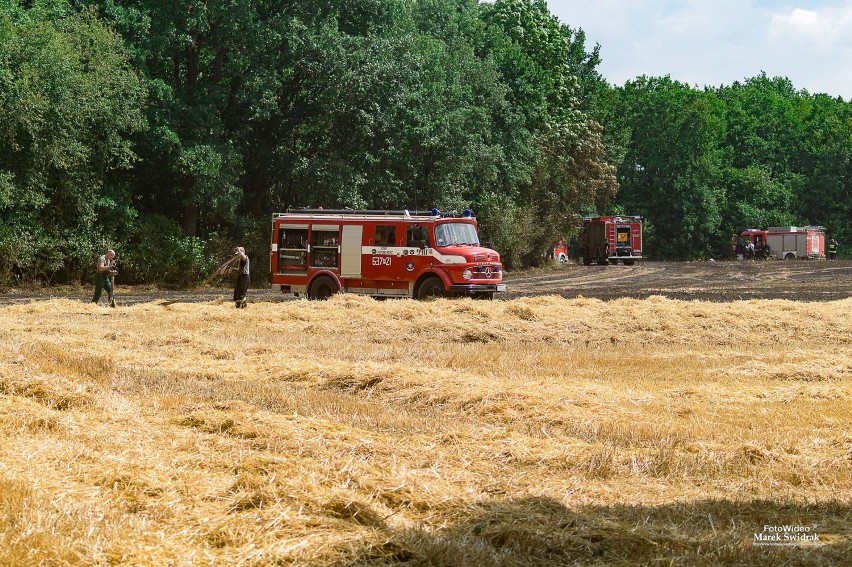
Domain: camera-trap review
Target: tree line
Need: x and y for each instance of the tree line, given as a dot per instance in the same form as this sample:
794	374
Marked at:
171	131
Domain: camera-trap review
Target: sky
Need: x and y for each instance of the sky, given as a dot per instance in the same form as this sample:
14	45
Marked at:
717	42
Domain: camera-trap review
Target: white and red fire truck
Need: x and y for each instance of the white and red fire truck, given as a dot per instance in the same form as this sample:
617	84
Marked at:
782	242
608	239
319	252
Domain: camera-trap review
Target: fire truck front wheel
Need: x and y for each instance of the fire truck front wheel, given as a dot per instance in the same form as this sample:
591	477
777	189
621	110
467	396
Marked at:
322	288
431	288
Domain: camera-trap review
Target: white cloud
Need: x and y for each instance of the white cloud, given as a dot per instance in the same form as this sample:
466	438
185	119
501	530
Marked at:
703	42
698	21
824	28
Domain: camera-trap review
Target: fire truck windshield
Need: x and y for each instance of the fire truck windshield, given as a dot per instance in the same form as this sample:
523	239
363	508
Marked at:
456	234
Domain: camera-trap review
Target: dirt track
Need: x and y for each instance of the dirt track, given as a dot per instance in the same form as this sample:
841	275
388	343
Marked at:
707	281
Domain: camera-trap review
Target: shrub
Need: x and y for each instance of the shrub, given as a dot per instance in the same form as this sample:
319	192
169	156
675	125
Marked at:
157	252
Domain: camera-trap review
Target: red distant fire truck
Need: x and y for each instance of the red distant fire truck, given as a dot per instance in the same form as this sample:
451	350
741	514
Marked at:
606	240
382	253
560	251
782	242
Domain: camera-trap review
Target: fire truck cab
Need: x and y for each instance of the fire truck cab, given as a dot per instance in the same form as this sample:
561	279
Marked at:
319	252
751	243
606	240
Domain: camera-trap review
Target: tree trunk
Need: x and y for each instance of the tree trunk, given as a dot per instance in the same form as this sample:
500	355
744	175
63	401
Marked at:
259	191
218	63
193	69
190	220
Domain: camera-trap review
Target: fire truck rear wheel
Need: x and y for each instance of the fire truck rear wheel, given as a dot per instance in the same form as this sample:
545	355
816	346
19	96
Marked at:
431	288
790	256
322	288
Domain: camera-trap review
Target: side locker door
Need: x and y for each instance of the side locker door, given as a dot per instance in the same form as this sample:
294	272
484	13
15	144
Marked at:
350	251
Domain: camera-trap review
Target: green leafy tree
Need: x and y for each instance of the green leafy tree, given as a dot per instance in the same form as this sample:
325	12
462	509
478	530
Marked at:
766	138
756	199
401	115
672	170
551	81
69	102
189	165
765	123
825	197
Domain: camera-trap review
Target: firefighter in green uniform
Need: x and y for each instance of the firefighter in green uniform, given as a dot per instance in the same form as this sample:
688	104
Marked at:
104	269
832	249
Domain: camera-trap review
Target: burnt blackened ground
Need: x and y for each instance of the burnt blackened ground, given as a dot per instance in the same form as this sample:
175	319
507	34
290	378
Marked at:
800	280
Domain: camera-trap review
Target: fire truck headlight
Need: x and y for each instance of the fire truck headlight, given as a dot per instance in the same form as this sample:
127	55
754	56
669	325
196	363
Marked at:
467	274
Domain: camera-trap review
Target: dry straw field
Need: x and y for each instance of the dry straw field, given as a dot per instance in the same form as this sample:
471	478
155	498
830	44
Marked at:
541	431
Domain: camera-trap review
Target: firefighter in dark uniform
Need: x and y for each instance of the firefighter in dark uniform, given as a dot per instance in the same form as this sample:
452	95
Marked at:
241	287
832	249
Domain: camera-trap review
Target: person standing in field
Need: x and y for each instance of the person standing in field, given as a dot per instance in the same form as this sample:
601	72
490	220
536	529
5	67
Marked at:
832	250
242	268
104	269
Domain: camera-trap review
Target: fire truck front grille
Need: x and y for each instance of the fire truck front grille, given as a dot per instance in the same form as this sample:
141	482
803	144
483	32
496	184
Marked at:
486	272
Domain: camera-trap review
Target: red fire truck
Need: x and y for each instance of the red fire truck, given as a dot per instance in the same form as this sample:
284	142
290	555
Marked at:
782	242
382	253
560	251
606	240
